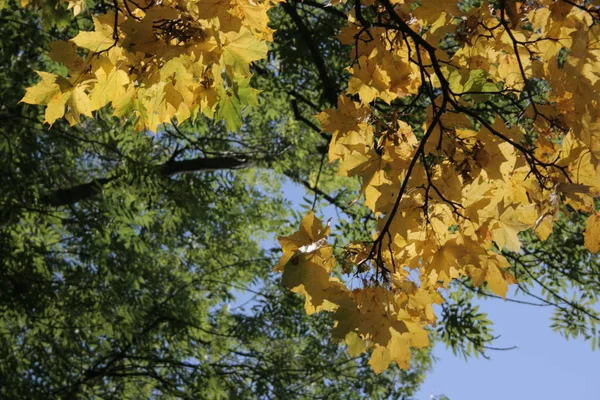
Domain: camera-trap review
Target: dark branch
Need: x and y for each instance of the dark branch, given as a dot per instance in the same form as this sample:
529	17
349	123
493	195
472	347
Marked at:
327	8
330	91
85	191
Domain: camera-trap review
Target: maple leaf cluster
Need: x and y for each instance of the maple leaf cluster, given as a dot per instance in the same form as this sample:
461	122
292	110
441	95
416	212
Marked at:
451	194
510	136
155	61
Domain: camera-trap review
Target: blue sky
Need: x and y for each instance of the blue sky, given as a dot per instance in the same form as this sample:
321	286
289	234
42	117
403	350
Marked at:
543	366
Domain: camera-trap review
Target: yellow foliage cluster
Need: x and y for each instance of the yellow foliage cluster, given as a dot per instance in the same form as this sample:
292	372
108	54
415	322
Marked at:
449	199
157	62
449	196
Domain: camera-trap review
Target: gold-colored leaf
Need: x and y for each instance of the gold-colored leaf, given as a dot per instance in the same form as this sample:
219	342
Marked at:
591	235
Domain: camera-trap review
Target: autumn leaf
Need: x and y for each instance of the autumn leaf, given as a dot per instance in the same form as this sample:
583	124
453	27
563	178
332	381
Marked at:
308	274
444	266
101	39
49	87
592	233
111	83
356	346
491	268
307	262
57	93
241	48
79	104
311	236
66	53
507	227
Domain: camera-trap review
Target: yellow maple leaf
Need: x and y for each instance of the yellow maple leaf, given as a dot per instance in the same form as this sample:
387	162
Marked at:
431	10
79	103
49	87
308	274
241	48
207	9
151	106
254	16
55	108
66	53
591	235
445	263
369	79
101	38
398	349
507	227
310	237
111	82
76	5
57	93
355	345
306	264
491	268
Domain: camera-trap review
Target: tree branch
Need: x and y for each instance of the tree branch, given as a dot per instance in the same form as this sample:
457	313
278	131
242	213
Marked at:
325	7
330	91
90	189
330	199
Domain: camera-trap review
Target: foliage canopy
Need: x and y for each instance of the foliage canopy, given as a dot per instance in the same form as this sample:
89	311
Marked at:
123	255
467	124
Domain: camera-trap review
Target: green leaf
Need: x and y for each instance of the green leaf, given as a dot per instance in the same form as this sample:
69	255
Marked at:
476	80
233	102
